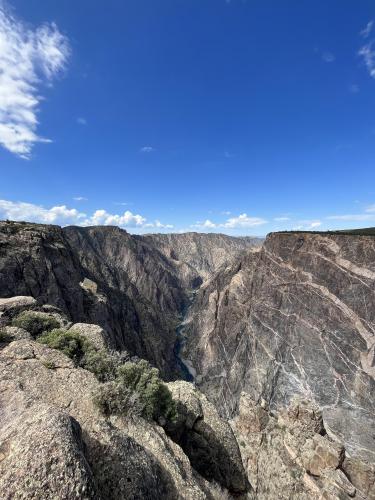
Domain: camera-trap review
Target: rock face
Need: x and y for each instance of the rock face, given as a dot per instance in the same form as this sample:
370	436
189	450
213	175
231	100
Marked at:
56	444
206	438
295	318
197	256
105	276
289	456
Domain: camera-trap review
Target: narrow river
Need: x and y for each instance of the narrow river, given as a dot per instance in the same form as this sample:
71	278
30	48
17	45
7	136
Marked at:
186	371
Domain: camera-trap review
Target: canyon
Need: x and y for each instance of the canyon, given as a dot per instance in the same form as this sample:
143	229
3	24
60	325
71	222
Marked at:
278	337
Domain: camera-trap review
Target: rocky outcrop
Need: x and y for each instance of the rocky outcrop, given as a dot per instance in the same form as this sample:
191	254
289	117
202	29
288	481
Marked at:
206	438
289	455
56	444
55	441
295	318
94	334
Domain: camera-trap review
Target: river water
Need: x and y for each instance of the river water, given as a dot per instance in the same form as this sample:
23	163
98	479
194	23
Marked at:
187	372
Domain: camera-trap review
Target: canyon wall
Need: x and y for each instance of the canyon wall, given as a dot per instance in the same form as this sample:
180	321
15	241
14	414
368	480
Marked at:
294	319
104	275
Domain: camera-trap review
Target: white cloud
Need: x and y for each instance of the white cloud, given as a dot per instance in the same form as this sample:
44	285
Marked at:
207	224
159	225
307	225
353	217
226	212
127	219
370	208
243	221
21	211
80	198
28	58
281	219
81	121
368	54
328	57
365	33
147	149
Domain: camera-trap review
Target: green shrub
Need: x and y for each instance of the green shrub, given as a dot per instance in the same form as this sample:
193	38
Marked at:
69	342
128	388
82	352
154	394
35	323
4	337
113	398
101	364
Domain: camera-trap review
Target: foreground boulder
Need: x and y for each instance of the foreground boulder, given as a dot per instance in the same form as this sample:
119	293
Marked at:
206	438
42	454
55	443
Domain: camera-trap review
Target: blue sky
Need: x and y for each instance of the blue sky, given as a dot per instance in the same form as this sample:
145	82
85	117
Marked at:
234	116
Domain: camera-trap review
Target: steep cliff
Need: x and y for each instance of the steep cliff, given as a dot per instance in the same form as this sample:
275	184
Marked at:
196	256
295	318
104	275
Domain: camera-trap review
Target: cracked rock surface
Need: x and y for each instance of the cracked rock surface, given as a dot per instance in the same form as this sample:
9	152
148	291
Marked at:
54	443
294	318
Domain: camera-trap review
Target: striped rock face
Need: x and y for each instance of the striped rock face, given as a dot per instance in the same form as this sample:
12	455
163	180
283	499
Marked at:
295	318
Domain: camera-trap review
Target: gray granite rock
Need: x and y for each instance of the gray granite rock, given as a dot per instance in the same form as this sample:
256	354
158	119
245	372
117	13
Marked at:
206	438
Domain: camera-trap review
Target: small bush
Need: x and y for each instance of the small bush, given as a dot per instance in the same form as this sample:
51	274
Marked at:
35	323
154	395
101	364
113	398
127	389
82	352
4	337
69	342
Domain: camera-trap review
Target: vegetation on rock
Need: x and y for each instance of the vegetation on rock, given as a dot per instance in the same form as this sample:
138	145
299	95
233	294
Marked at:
128	388
35	322
81	351
4	337
139	385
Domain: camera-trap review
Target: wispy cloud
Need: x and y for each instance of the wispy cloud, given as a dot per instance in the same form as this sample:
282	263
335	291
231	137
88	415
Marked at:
367	51
368	214
307	225
368	54
281	219
63	215
365	33
28	59
354	88
328	57
80	198
81	121
353	217
243	221
147	149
